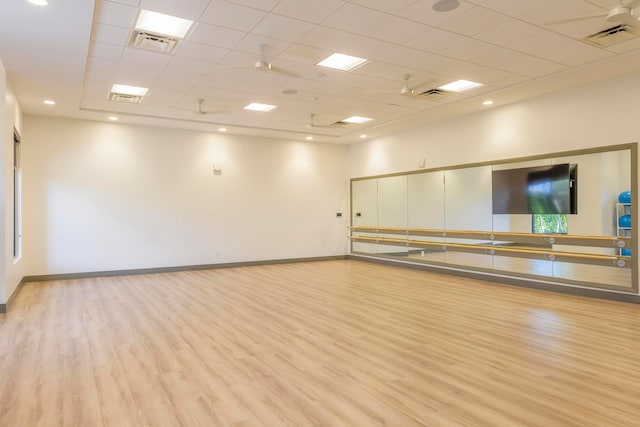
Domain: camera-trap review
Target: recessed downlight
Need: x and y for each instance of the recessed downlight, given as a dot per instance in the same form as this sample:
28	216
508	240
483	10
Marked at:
49	102
363	136
309	138
160	23
113	118
222	129
356	119
39	2
488	102
255	106
460	86
339	61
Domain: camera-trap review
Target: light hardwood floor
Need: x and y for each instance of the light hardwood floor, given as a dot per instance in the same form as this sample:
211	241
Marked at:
335	343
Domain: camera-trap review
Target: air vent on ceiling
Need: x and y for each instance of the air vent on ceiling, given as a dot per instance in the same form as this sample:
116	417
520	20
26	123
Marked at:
123	97
153	42
613	35
434	94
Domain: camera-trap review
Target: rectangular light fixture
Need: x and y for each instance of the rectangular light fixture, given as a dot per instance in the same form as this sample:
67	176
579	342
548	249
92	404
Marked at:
339	61
159	23
129	90
254	106
356	120
460	86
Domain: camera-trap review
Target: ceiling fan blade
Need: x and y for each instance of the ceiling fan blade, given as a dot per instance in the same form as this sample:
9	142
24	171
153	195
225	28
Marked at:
578	19
283	71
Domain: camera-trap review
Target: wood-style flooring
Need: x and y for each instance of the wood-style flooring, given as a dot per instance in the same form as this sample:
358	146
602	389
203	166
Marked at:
332	343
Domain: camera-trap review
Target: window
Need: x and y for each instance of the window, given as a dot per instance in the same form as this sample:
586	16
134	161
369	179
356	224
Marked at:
549	224
17	197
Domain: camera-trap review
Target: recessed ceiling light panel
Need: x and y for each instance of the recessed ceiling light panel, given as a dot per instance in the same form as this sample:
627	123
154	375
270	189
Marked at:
339	61
460	86
255	106
39	2
160	23
356	119
129	90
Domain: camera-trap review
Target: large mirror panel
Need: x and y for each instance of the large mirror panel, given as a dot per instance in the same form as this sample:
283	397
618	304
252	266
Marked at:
564	218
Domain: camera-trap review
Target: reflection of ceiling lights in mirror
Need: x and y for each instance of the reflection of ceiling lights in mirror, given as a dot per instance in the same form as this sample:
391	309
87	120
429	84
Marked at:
160	23
445	5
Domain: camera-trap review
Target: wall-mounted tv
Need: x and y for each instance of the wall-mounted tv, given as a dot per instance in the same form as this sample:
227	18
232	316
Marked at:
536	190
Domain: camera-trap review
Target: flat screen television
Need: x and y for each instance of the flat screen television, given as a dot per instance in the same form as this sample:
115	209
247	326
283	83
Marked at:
536	190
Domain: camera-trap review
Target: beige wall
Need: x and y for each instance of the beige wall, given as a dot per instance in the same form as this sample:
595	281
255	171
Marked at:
107	196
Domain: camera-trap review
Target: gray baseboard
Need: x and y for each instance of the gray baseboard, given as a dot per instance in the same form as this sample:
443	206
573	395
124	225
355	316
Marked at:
512	281
4	307
111	273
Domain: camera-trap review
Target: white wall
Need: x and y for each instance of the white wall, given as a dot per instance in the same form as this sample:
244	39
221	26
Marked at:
11	270
107	196
590	116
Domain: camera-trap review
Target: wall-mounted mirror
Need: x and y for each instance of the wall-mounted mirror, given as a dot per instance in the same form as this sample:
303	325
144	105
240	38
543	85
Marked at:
556	217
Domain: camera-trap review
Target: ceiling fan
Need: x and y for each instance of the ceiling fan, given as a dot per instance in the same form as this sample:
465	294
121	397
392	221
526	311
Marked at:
313	124
264	65
621	14
201	111
406	89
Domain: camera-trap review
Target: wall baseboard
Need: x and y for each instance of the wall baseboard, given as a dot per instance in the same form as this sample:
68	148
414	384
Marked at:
512	281
5	307
111	273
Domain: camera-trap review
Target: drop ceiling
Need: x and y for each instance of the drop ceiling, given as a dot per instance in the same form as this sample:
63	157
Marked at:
74	51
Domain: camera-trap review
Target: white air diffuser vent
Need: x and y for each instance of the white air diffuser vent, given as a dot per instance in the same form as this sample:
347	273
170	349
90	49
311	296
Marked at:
434	94
153	42
613	35
122	97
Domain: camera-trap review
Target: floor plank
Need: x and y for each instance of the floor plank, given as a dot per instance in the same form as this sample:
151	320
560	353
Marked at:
334	343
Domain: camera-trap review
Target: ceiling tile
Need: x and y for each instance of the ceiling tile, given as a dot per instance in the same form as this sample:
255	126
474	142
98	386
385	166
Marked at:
586	55
115	14
193	50
110	34
518	63
513	7
398	30
192	9
282	28
105	50
140	56
474	21
379	69
508	32
191	65
178	81
308	10
231	15
266	5
356	19
262	46
421	11
366	47
216	36
402	56
392	7
327	38
136	74
449	44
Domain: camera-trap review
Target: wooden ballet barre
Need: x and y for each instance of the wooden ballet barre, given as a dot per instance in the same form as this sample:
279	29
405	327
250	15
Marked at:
547	255
541	239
